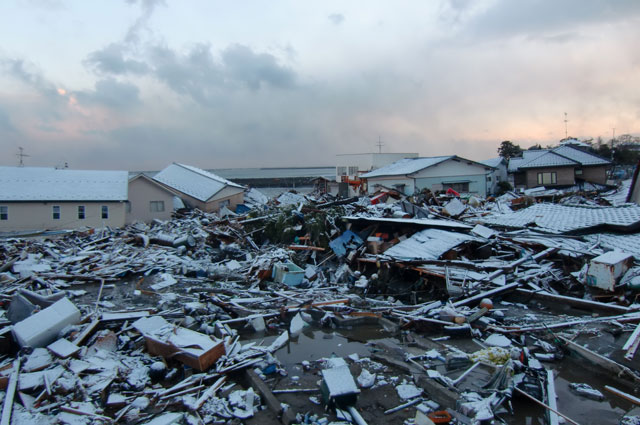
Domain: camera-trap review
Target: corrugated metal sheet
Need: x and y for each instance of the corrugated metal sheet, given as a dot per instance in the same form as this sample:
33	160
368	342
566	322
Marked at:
50	184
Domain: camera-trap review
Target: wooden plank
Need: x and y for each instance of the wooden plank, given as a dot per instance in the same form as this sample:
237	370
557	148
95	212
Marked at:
11	392
288	417
577	302
632	344
551	398
624	395
486	294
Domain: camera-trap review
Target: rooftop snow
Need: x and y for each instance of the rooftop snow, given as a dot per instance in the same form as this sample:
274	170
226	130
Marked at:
406	166
553	218
428	244
556	157
626	243
493	162
548	159
51	184
584	158
193	181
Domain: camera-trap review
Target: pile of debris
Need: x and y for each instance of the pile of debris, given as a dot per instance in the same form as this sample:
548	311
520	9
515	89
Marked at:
309	309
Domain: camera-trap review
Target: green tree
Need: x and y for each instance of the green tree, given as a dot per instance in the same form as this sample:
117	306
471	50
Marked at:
508	150
535	147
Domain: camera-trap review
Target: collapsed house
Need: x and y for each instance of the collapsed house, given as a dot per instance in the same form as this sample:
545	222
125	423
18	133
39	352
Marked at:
316	310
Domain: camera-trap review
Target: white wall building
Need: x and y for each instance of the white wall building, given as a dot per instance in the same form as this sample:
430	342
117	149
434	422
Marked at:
411	175
34	199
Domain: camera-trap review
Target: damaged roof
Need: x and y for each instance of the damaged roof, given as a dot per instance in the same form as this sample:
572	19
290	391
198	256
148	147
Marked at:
428	244
52	184
193	181
554	218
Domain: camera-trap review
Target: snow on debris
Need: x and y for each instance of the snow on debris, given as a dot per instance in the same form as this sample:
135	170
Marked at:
555	218
51	184
428	244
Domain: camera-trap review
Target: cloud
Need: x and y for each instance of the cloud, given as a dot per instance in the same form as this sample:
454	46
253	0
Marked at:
111	60
28	74
53	104
199	75
6	126
336	18
148	7
111	93
256	69
531	17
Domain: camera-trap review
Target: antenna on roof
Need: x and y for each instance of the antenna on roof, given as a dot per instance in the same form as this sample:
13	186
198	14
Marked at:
566	136
379	144
21	155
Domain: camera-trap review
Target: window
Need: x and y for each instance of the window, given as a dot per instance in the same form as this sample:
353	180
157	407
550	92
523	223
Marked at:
341	171
56	212
353	171
578	171
156	206
225	203
81	212
105	211
4	212
460	187
547	178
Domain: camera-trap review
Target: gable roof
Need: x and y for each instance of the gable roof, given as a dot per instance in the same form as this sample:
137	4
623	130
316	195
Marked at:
51	184
494	162
565	155
407	166
195	182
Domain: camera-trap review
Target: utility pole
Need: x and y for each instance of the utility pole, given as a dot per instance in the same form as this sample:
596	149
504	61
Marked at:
613	136
21	155
379	144
566	133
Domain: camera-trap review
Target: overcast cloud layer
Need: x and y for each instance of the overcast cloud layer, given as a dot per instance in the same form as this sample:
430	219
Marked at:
138	84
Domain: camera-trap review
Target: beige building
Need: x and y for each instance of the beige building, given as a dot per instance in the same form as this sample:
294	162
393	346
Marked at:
148	200
36	199
199	188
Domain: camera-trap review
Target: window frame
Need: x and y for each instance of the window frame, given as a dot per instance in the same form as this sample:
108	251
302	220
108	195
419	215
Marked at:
156	206
4	212
104	212
553	178
56	212
82	212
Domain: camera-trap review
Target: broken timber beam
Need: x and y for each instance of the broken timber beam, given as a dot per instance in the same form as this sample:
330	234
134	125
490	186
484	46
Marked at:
288	417
577	302
495	291
632	344
11	391
600	360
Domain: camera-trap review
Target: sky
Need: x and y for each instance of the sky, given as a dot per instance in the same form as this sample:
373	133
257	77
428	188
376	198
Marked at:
138	84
